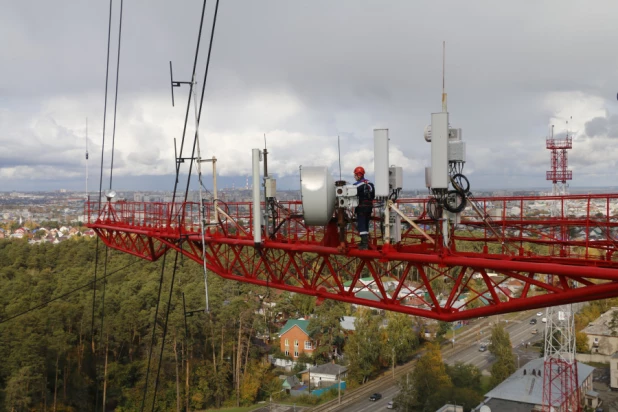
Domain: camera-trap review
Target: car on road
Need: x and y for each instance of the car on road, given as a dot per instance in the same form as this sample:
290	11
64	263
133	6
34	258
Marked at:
535	331
533	321
482	348
390	405
376	396
539	313
544	320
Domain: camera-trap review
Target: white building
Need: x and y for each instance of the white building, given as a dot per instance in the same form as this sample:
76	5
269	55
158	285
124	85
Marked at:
523	390
601	339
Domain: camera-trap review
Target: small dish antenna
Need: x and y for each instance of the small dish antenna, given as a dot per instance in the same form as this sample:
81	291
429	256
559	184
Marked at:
110	194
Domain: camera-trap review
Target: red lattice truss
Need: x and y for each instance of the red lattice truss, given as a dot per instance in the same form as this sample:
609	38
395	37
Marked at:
513	256
560	389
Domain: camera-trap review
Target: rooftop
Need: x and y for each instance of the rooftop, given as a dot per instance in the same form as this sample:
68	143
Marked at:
301	323
347	323
361	282
328	369
600	326
528	388
450	408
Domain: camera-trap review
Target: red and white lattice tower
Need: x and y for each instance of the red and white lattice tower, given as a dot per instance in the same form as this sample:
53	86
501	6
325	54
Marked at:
560	386
559	173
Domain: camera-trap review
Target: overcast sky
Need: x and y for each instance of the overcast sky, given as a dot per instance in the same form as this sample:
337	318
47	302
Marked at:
303	73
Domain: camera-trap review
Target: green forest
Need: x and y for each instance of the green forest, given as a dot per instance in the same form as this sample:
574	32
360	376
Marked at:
62	352
67	345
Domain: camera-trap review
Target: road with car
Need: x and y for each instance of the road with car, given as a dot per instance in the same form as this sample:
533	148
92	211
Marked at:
519	330
367	405
521	333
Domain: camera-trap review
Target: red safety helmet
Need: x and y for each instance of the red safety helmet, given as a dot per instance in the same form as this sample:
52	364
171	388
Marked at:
359	171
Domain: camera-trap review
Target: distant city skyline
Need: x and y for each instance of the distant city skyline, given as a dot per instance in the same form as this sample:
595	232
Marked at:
166	183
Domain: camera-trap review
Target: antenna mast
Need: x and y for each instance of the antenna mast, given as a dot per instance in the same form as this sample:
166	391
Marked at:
339	150
443	76
559	173
86	158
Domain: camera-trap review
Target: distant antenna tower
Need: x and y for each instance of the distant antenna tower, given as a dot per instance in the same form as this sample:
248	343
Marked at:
559	173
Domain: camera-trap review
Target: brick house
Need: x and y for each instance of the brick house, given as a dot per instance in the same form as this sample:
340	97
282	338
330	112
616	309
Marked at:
294	338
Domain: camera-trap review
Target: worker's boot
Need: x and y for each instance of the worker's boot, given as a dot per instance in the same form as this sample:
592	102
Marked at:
364	243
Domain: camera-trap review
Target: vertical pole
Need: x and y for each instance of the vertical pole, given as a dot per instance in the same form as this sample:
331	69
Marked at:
265	158
339	387
257	211
443	76
393	362
214	186
87	159
387	223
202	211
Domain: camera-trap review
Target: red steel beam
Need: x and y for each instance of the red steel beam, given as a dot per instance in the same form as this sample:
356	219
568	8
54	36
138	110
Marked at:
296	259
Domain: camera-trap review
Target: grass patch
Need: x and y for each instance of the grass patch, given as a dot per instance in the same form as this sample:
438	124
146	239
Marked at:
598	365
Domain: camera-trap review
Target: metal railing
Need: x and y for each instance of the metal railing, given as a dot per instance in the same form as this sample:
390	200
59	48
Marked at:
581	227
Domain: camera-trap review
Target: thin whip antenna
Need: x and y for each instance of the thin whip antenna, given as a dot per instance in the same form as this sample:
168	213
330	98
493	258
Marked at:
570	120
443	76
264	140
339	150
86	158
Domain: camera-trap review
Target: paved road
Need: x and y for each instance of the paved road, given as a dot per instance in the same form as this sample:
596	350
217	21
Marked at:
365	405
520	332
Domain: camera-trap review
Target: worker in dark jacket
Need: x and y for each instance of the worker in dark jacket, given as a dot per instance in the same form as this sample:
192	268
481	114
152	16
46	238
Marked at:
366	193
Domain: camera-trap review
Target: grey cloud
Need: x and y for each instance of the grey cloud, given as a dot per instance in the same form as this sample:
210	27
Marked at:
603	126
613	126
597	127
